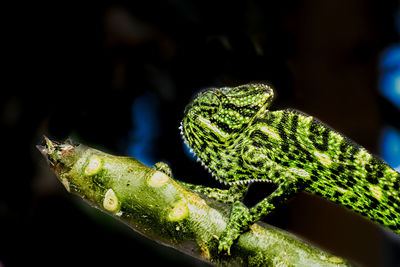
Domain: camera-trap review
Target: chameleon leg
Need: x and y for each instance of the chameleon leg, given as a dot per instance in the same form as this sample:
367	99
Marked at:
242	218
163	167
235	193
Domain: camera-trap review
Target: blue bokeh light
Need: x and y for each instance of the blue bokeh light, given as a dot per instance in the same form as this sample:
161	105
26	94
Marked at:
390	147
145	129
390	70
390	76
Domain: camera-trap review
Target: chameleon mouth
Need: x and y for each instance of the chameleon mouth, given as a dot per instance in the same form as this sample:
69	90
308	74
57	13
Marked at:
198	159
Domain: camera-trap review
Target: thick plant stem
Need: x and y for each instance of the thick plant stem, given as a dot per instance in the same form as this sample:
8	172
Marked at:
163	209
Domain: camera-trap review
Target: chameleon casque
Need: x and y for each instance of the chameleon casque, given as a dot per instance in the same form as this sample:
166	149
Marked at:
240	141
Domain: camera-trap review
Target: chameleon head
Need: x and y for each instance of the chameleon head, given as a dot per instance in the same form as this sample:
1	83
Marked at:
219	114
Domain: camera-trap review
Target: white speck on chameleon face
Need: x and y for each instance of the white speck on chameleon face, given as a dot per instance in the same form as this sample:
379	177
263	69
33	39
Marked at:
270	132
212	127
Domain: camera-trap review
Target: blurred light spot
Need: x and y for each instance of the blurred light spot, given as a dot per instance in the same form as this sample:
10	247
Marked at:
390	147
390	75
145	131
390	70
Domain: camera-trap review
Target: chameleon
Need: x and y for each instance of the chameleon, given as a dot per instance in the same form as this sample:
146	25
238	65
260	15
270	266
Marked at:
235	135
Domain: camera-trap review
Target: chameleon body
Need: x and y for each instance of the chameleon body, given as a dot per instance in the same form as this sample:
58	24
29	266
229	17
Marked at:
236	136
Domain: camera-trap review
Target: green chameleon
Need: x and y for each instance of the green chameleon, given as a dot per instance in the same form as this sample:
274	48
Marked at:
240	141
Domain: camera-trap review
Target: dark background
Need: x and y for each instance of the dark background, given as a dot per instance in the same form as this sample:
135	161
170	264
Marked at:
117	76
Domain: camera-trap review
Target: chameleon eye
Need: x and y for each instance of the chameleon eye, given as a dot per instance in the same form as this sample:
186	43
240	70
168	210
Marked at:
209	102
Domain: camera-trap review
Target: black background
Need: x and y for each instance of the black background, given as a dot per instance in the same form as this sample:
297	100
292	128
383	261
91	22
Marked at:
75	68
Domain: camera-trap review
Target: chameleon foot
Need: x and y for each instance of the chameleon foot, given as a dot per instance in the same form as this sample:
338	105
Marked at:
239	222
163	167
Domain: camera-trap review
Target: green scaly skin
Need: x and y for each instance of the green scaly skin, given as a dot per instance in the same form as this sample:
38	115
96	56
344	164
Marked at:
240	141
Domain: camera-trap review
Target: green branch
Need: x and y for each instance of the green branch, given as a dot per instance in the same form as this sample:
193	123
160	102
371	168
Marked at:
166	211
